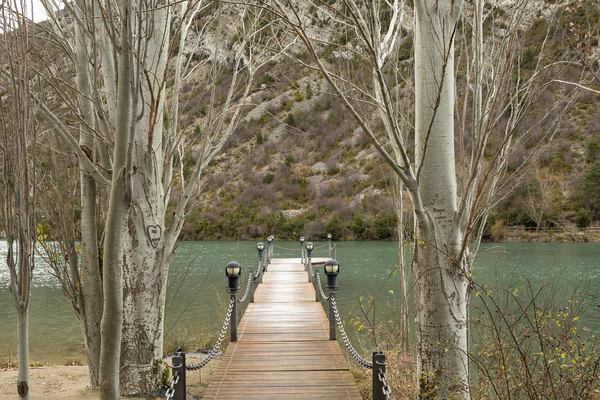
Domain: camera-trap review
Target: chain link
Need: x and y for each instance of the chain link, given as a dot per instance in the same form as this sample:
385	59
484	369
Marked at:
250	280
351	350
210	355
323	297
387	391
171	391
258	272
285	248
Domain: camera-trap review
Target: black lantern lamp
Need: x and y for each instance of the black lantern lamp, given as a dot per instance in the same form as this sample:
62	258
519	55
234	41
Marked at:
233	271
260	247
332	270
309	249
329	237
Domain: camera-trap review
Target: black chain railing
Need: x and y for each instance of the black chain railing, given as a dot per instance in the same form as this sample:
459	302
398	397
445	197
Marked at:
170	393
284	248
250	282
215	348
320	288
351	350
387	392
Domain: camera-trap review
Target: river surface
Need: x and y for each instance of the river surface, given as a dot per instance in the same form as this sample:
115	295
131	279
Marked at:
196	293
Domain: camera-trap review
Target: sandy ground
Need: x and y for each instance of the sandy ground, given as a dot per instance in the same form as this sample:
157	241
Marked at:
61	382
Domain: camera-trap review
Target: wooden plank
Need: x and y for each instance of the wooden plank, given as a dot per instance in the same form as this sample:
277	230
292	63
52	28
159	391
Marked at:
283	349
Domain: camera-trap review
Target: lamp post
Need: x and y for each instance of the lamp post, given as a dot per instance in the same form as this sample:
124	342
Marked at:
233	271
261	248
271	245
309	250
329	243
332	270
302	251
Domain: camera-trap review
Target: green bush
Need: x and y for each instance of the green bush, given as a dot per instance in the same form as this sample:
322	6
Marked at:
309	92
268	178
359	227
583	218
591	187
593	149
332	119
290	120
289	159
385	226
334	226
259	137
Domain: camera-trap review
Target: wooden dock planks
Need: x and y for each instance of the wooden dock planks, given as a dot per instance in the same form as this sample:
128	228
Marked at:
283	349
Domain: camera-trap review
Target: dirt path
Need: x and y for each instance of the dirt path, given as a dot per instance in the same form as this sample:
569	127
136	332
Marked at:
62	382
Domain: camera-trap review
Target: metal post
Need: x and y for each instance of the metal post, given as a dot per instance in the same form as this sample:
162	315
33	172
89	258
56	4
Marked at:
260	270
309	270
234	321
335	252
331	314
378	365
179	352
178	367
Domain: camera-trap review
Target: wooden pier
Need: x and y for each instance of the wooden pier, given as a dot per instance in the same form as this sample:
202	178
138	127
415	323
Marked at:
283	349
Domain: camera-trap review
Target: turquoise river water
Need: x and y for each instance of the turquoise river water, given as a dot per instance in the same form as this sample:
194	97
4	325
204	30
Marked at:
197	286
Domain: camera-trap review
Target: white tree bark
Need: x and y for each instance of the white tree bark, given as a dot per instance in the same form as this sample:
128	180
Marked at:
128	118
441	280
120	202
17	150
90	296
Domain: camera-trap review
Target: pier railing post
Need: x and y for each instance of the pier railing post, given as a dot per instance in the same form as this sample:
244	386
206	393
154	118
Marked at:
182	380
233	271
261	248
309	250
234	316
378	366
332	270
178	367
329	244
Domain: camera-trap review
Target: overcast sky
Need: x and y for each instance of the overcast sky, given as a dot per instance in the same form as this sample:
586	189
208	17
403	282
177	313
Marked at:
38	11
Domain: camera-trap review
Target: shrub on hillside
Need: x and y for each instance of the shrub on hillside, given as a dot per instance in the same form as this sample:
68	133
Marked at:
583	218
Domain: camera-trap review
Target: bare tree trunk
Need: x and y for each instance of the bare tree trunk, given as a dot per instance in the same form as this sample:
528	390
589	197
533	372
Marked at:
402	241
90	295
18	171
441	284
115	252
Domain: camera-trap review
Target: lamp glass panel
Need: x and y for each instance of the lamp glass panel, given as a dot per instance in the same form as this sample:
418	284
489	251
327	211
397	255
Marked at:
233	270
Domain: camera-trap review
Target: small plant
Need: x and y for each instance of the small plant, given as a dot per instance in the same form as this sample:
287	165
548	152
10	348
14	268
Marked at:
290	120
268	178
298	96
289	159
259	137
160	373
332	119
309	92
498	230
583	218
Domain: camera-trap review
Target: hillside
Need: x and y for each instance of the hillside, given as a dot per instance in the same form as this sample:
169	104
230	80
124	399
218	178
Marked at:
298	164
